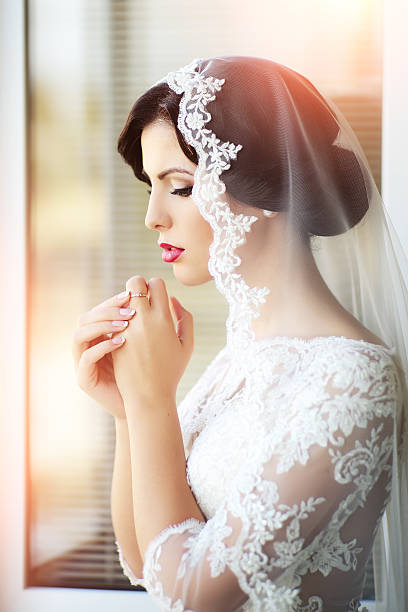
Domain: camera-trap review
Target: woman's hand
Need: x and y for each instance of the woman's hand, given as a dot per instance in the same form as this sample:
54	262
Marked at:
157	349
92	353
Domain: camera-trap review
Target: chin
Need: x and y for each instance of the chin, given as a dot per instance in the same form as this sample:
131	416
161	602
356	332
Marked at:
191	277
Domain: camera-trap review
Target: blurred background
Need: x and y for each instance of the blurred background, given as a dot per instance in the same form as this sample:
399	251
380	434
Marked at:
87	62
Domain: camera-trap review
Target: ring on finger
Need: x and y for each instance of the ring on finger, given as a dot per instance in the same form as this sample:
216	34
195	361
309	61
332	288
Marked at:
139	294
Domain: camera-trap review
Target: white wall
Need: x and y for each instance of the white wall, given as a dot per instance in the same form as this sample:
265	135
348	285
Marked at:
395	116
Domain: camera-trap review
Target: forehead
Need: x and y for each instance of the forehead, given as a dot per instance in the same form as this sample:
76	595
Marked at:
159	142
158	130
161	150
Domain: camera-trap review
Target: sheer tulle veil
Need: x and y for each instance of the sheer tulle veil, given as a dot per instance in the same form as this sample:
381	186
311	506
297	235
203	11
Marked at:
268	141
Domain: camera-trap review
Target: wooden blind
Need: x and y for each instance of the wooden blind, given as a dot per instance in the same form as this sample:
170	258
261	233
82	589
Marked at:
88	62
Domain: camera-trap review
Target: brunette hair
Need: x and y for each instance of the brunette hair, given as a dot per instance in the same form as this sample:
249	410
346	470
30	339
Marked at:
261	122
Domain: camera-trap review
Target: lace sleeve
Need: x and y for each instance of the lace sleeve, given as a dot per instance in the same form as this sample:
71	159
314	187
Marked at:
126	568
303	508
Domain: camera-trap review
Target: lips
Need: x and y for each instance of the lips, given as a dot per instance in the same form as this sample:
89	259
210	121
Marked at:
170	252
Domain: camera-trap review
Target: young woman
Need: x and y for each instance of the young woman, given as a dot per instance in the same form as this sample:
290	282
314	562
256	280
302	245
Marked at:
265	488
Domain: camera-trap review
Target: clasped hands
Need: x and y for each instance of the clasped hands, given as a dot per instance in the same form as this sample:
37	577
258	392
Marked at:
156	349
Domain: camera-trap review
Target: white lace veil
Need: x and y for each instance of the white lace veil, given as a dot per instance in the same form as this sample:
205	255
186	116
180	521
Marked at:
279	165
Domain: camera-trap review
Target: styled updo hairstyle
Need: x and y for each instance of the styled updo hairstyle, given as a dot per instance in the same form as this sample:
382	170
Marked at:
286	130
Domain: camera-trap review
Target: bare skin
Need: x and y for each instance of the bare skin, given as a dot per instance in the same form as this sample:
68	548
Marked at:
311	309
92	352
308	309
92	348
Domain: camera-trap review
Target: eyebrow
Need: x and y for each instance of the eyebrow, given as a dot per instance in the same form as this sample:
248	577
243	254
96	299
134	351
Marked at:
168	171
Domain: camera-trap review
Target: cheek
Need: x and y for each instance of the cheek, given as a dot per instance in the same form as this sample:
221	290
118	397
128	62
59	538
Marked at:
201	229
198	232
206	234
200	236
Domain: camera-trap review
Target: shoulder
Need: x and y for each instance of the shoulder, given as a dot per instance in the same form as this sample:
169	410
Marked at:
342	389
354	367
357	331
355	384
335	380
325	366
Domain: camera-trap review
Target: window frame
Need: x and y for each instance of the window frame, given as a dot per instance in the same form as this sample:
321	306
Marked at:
15	596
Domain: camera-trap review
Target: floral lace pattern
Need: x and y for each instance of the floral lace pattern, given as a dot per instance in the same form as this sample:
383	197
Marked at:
126	568
214	157
291	487
354	606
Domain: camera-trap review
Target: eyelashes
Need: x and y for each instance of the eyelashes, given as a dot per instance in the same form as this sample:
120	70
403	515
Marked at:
184	191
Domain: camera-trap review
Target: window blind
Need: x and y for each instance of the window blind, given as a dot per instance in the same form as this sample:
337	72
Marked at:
88	62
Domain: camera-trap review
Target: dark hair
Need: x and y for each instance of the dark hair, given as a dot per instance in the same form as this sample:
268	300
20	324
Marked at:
159	102
260	121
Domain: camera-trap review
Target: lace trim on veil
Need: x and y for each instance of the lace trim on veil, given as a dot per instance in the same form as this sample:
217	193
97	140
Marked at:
229	228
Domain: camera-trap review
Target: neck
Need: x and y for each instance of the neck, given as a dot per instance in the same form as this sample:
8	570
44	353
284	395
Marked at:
299	303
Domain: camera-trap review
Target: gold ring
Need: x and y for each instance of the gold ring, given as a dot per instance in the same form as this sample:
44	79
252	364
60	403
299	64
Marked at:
138	294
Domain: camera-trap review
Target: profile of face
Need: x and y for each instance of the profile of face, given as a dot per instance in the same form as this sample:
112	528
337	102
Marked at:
171	210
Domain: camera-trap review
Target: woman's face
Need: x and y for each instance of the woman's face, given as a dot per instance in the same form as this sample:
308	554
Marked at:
175	216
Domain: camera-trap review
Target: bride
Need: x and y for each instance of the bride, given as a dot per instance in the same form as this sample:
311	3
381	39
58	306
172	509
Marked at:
267	486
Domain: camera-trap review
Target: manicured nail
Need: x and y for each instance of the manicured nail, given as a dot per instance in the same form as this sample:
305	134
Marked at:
120	323
118	340
127	311
122	295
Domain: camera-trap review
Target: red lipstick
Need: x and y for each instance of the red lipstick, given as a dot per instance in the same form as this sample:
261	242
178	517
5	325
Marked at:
170	252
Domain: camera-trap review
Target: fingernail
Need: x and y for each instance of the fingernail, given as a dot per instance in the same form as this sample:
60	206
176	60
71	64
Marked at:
120	323
127	311
118	340
122	295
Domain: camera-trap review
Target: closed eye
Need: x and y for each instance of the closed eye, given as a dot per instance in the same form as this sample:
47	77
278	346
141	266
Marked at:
184	191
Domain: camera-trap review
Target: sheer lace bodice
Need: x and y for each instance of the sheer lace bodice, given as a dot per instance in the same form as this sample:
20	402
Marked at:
290	460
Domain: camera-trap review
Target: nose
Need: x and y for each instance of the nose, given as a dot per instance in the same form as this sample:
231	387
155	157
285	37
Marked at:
156	216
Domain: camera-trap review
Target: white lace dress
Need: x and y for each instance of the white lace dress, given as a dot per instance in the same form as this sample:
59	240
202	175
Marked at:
291	466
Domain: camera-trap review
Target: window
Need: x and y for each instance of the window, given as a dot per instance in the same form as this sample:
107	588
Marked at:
87	62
